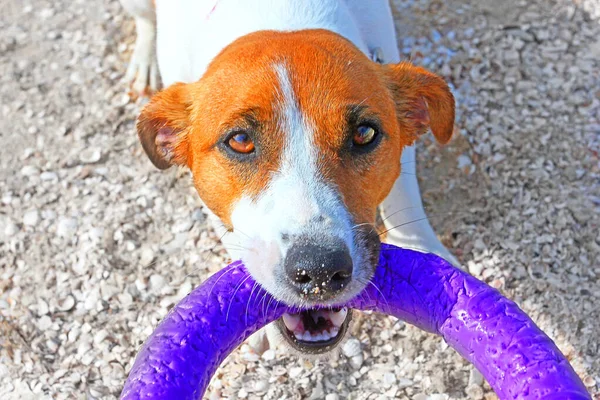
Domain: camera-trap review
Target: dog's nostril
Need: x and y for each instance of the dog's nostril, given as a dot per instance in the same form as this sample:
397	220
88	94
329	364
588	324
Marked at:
302	277
340	276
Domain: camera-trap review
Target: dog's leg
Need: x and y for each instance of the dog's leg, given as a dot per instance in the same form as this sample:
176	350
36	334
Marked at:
142	73
404	217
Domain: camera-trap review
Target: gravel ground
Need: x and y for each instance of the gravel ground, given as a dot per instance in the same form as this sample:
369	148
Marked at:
96	245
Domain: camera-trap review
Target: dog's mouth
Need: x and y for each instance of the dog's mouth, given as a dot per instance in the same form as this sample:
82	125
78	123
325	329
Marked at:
315	331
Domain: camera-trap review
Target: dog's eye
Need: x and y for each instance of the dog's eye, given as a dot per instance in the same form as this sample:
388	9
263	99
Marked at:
364	135
241	143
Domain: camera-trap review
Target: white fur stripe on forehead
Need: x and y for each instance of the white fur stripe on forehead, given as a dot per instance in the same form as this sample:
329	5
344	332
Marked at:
299	150
299	171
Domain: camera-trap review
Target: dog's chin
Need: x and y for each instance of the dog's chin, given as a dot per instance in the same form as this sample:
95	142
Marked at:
316	331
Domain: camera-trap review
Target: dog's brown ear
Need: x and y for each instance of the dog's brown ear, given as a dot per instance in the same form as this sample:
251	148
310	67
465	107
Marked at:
163	124
423	101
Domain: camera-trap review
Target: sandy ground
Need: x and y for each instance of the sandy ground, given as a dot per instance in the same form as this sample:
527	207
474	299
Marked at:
96	245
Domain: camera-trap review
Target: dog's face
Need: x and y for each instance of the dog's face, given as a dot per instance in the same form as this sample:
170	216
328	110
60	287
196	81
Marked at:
293	140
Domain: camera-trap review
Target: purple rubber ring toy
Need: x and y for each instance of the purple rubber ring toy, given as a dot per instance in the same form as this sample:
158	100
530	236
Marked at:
517	359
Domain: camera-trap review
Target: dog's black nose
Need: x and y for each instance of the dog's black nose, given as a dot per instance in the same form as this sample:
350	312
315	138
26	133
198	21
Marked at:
318	270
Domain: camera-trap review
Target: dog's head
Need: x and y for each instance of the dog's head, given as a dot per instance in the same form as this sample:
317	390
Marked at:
293	140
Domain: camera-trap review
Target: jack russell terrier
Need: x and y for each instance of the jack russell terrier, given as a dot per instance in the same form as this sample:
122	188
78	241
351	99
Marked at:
299	139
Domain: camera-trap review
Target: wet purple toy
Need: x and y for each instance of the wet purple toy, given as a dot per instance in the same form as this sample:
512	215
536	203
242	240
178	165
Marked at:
515	356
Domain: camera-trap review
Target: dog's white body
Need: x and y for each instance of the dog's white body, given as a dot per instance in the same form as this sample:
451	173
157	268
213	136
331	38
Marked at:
190	33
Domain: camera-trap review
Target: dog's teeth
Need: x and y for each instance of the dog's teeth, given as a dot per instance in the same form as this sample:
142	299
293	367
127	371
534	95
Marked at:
307	336
333	332
291	321
339	317
318	314
318	337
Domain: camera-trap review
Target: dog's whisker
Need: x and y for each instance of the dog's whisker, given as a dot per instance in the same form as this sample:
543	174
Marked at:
359	225
249	300
233	296
263	302
399	211
269	304
380	293
403	224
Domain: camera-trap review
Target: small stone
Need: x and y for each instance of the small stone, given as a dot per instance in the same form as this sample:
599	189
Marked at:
317	392
389	379
157	283
404	383
125	298
29	170
332	396
48	176
42	307
91	300
44	323
357	361
67	304
90	155
475	268
296	372
100	336
261	386
146	256
269	355
31	218
10	228
589	382
475	377
198	215
474	392
352	348
66	227
182	226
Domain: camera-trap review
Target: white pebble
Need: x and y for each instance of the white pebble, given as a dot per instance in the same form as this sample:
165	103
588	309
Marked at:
42	307
351	348
389	379
157	282
66	227
357	361
10	228
31	218
90	155
29	170
261	386
44	323
48	176
67	304
295	372
146	256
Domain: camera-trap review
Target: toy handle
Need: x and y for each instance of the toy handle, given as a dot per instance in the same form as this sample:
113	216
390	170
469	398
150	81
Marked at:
513	354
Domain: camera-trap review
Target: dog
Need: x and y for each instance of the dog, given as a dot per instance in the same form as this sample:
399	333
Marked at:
297	121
